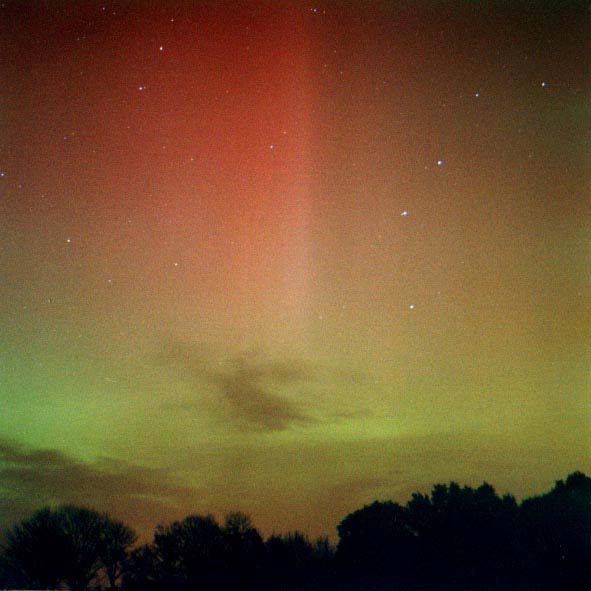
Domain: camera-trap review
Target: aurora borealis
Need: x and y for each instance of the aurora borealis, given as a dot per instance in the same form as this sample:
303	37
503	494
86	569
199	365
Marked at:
291	257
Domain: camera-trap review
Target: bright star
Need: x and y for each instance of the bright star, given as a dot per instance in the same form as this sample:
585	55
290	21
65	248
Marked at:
404	213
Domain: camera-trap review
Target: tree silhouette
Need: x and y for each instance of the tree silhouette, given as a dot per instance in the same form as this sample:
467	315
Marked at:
244	550
555	534
34	552
116	539
455	537
292	560
189	552
69	545
142	570
463	533
288	558
376	541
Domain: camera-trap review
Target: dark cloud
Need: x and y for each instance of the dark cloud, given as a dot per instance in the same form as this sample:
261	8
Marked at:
32	478
247	391
247	387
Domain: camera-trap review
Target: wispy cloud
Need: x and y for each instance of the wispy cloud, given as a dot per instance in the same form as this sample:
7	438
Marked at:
248	393
249	388
31	478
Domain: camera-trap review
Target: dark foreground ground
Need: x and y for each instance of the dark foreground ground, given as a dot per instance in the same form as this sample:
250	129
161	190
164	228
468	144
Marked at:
404	587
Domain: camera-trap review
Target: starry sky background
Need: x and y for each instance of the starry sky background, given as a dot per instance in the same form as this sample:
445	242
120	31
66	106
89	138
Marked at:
291	257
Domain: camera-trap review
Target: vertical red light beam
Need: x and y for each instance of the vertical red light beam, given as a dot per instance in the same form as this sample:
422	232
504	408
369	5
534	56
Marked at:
295	180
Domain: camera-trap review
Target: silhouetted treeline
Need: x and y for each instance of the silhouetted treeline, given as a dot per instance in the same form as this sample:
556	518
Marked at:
456	537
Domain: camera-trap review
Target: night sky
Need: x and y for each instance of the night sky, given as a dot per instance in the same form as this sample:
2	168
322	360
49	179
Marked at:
291	257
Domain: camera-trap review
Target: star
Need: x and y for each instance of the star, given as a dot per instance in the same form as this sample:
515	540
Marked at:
68	240
412	307
476	94
404	214
161	48
440	163
544	84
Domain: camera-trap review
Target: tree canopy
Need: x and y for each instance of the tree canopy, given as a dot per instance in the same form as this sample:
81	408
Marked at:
69	545
455	536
